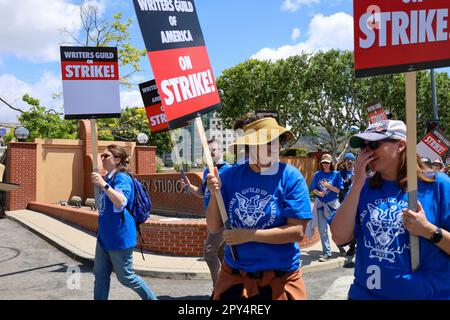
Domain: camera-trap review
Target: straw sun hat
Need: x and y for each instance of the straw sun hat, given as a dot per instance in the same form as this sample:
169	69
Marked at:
261	132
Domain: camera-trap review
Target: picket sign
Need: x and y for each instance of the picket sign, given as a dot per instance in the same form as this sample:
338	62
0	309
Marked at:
182	70
94	159
411	160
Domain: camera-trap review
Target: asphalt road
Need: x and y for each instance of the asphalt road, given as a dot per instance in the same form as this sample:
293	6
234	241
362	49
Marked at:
32	269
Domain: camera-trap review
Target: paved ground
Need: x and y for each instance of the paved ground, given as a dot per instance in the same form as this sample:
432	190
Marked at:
30	268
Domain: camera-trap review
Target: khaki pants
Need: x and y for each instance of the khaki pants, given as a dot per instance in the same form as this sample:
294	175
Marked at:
213	253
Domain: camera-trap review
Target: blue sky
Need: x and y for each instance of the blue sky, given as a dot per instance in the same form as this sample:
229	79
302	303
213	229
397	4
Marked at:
234	30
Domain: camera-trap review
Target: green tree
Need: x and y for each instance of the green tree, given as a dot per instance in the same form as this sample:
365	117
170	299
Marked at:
126	128
46	124
321	91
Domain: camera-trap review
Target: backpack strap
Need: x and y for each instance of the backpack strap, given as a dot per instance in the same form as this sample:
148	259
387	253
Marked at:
142	240
112	181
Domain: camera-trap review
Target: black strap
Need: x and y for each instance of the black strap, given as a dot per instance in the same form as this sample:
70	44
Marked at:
142	240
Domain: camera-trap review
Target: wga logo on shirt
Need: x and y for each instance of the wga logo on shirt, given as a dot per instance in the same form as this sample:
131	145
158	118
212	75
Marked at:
385	225
249	209
101	203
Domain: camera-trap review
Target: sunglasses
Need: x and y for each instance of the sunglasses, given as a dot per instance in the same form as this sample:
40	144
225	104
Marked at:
105	156
373	145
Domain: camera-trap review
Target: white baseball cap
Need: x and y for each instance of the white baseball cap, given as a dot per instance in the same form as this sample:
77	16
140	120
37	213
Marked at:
385	129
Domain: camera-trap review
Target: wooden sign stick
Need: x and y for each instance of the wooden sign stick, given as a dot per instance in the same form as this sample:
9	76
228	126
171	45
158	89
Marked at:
94	159
217	193
411	124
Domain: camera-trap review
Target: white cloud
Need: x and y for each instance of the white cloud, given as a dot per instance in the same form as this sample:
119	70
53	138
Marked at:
13	89
294	5
324	33
31	29
131	99
295	34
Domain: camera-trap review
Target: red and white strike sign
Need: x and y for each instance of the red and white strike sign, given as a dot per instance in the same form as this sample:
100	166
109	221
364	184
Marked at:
434	145
376	112
400	35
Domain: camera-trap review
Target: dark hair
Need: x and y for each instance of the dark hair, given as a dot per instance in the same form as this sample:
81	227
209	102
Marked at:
402	179
246	119
121	153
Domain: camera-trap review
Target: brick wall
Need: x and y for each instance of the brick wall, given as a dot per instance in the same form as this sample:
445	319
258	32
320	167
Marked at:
178	238
167	194
21	169
145	160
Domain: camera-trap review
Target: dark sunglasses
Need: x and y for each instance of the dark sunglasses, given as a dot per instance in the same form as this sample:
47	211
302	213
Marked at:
373	145
105	156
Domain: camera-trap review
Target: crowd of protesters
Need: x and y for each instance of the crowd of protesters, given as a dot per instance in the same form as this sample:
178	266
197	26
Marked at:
269	207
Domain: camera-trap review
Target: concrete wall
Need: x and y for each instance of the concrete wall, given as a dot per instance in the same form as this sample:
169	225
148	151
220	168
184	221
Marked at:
60	169
50	170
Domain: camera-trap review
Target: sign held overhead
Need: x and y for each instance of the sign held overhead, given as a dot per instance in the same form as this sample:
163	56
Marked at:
90	77
179	59
400	35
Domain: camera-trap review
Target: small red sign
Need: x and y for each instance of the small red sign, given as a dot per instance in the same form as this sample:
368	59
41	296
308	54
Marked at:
400	35
376	112
438	146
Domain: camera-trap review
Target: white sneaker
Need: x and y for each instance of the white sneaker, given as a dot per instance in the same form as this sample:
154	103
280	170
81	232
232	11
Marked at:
324	258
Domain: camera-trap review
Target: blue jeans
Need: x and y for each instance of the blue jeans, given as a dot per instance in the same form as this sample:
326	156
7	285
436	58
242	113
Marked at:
323	231
121	261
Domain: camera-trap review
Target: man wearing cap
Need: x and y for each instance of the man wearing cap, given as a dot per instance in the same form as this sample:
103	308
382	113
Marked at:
326	185
426	161
375	213
347	174
437	165
213	246
267	204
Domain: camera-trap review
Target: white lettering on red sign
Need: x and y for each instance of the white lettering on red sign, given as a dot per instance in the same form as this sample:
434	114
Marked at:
187	87
90	71
419	26
435	145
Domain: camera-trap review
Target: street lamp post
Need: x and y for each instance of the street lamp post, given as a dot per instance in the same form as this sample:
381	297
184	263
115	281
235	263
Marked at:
142	138
21	133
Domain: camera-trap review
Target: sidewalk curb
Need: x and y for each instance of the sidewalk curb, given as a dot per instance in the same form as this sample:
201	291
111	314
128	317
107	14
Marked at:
88	259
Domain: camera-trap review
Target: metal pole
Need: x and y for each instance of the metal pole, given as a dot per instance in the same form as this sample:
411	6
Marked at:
433	91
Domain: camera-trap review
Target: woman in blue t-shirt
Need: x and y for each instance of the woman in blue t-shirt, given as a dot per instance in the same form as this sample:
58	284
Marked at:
376	213
268	207
116	236
326	185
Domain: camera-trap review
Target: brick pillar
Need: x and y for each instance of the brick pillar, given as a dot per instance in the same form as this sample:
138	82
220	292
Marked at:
145	160
21	169
85	135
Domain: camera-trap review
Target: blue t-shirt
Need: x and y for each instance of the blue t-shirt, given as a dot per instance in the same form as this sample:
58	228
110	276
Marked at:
383	267
113	233
203	188
346	176
258	201
334	178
